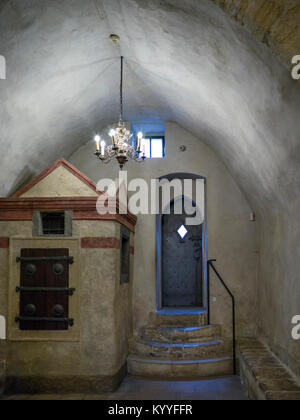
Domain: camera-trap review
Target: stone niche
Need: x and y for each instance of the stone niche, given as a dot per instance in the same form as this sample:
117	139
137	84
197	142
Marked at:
57	211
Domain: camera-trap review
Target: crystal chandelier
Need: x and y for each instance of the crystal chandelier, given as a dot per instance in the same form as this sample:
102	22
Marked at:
121	147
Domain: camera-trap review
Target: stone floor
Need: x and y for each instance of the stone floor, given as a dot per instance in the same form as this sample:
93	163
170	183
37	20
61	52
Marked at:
228	388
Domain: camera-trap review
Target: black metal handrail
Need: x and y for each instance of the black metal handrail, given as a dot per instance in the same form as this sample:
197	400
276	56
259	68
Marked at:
210	264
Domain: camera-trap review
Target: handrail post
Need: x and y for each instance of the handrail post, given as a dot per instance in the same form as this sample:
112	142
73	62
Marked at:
210	264
208	290
234	336
208	293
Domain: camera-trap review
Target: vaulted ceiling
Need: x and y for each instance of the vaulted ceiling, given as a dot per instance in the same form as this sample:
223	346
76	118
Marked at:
186	61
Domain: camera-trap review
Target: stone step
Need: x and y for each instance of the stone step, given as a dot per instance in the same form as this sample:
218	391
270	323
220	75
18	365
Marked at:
177	319
202	350
148	367
181	335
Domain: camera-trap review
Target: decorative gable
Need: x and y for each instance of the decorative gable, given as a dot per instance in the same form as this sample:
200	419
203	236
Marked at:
61	187
61	179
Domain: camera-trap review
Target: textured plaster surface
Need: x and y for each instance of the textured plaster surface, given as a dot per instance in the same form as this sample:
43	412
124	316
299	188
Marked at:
185	61
60	183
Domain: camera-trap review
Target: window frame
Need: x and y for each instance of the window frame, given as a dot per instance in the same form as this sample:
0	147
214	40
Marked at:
147	137
37	224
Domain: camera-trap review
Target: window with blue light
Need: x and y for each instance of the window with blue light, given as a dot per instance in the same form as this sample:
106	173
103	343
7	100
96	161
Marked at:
154	147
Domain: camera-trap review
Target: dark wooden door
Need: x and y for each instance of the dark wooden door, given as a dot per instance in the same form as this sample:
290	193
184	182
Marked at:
48	273
181	262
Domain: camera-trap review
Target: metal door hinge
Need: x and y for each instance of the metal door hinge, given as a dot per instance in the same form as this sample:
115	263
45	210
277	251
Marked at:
69	291
70	321
70	260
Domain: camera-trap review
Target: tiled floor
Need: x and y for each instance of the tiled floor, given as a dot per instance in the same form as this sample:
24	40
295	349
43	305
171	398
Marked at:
228	388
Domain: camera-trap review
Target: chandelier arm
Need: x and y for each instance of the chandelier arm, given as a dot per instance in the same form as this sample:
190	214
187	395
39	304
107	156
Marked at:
105	159
140	159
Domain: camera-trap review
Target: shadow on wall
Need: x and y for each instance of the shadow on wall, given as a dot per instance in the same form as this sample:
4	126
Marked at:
2	359
26	175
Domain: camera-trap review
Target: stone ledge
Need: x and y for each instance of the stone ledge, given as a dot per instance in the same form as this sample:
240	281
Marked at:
263	375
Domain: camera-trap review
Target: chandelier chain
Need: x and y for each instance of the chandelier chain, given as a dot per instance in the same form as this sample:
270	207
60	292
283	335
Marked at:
122	147
121	90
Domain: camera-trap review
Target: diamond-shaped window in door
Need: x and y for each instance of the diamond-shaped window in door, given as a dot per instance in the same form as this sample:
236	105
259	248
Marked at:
182	231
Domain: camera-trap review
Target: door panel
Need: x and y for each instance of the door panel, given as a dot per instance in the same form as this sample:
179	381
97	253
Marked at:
44	273
181	262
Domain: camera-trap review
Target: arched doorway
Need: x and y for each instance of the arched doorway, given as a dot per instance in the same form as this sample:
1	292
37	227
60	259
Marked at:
181	254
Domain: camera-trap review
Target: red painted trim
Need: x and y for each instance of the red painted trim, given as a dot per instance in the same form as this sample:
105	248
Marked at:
84	208
100	243
4	243
50	169
15	216
132	250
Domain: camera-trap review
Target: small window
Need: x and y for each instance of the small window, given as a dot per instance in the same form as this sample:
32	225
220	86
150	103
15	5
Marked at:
53	223
154	147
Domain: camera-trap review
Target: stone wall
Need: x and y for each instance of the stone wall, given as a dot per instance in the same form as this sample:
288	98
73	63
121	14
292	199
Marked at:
275	22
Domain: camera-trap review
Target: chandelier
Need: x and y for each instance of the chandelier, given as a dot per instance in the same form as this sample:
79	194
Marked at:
122	147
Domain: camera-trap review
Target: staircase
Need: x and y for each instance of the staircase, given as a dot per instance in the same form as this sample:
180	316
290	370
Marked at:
179	346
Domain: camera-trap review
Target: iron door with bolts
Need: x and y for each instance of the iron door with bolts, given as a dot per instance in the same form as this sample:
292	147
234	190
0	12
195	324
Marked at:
48	269
181	262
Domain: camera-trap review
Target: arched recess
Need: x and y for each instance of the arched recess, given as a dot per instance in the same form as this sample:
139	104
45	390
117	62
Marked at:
192	245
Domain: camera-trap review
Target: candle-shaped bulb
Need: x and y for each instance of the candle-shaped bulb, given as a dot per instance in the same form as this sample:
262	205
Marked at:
112	134
140	136
97	140
102	148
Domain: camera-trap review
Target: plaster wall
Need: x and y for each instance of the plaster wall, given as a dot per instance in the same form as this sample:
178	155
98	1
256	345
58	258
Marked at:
279	288
231	236
60	183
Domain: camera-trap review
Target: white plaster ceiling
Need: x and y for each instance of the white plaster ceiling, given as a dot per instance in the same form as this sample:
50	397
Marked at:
184	61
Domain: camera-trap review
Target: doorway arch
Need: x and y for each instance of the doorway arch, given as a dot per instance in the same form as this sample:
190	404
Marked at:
181	253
